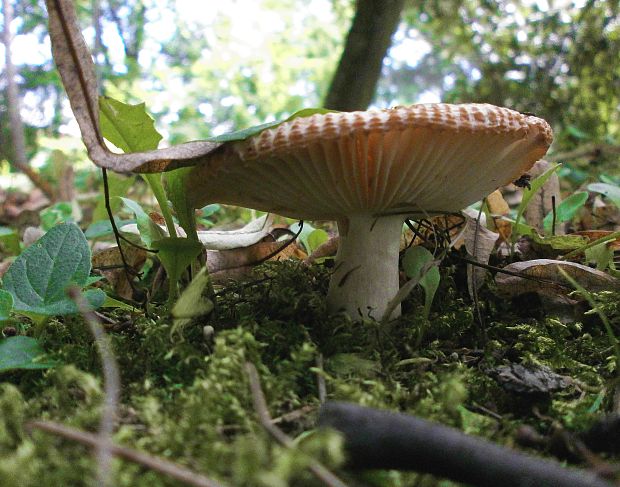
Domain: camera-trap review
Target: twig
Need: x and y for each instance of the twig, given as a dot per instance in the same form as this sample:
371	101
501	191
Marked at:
474	280
260	405
320	379
377	439
553	209
157	464
111	385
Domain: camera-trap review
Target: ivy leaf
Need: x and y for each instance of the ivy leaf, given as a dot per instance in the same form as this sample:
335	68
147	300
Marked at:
38	278
6	304
128	127
565	210
24	353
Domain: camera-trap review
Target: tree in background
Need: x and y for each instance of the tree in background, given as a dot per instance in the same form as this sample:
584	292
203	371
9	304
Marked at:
246	62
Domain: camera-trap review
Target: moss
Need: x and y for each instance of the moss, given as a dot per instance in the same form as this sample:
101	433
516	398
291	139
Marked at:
186	397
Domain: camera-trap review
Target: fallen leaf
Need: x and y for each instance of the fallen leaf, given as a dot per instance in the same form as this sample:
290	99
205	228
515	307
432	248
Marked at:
235	264
117	277
248	235
479	242
548	280
532	380
541	202
499	208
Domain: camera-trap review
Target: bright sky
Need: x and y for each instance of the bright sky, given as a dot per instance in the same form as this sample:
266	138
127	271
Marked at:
251	25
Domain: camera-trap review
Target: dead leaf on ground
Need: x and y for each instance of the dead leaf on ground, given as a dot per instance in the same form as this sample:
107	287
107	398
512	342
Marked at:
541	203
109	263
479	242
532	380
234	264
499	208
326	249
549	281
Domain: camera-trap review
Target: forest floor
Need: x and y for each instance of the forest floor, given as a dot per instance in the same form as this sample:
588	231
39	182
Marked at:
506	370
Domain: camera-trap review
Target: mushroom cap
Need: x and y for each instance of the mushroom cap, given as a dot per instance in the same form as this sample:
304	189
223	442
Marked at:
414	160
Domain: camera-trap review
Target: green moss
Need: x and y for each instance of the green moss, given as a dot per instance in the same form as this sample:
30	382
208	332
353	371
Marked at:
186	397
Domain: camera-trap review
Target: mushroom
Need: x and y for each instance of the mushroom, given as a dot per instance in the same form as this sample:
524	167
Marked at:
369	171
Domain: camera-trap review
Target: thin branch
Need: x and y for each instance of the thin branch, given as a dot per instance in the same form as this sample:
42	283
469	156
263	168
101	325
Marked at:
19	160
260	405
157	464
112	381
376	439
320	379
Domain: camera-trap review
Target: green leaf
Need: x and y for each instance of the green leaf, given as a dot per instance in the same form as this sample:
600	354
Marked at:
102	228
608	190
257	129
535	185
601	254
565	210
38	278
10	240
192	303
61	212
24	353
305	233
149	231
111	302
560	242
176	254
316	238
174	182
6	304
415	265
128	127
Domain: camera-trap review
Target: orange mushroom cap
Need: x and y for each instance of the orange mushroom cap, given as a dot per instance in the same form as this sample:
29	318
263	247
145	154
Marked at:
425	158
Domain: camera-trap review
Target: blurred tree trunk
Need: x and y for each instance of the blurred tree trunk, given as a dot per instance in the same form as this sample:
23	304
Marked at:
355	80
19	160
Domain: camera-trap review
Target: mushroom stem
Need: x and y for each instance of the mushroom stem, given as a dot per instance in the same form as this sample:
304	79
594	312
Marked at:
365	278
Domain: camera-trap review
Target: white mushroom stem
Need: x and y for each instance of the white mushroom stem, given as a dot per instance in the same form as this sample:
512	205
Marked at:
365	278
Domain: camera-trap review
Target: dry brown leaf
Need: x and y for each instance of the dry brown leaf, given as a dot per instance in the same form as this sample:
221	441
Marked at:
117	277
326	249
541	203
498	209
479	242
551	283
234	264
593	235
77	71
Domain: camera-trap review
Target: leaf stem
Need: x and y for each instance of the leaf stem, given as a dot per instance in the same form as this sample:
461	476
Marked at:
154	181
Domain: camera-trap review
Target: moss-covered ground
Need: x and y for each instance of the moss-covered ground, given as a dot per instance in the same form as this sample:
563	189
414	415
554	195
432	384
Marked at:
185	394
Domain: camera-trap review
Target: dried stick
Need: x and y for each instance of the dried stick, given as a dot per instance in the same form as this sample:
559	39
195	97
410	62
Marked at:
260	405
111	385
154	463
377	439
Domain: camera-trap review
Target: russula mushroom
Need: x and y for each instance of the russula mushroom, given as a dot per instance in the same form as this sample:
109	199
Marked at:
369	171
